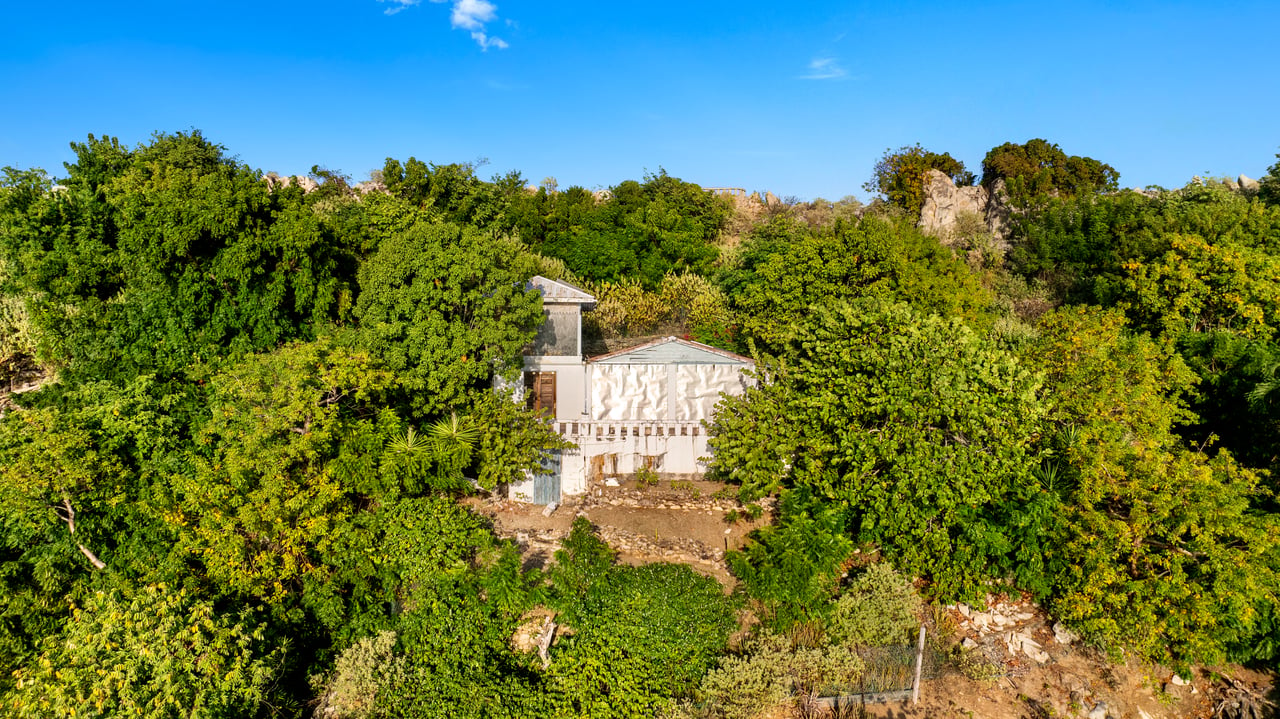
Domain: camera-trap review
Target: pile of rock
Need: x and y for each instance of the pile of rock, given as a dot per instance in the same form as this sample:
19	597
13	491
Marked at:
669	500
673	549
1019	628
536	542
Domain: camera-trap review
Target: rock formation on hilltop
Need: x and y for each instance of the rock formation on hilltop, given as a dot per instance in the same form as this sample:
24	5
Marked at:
945	205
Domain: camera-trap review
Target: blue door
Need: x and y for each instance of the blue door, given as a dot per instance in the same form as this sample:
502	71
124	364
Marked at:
546	483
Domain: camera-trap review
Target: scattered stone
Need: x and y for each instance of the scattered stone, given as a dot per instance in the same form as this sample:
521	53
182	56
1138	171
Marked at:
1099	711
1062	635
610	482
550	509
968	643
964	610
1179	681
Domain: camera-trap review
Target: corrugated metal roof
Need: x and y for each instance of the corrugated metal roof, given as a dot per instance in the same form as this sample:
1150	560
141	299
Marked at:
671	350
557	291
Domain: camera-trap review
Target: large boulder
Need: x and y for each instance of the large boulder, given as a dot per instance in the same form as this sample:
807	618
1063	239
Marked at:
944	203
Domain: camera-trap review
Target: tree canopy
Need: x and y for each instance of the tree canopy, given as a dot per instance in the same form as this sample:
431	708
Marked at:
899	176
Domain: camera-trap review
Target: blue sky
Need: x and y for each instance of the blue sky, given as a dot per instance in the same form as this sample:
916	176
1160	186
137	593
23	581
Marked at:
796	98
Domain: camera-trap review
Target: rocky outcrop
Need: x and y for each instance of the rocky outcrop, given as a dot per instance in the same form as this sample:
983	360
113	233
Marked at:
1247	184
306	183
944	203
945	206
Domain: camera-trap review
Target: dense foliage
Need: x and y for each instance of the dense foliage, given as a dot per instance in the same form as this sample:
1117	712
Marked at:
878	398
245	412
1037	169
899	176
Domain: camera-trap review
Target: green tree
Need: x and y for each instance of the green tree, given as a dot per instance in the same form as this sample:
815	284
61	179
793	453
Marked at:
454	192
1080	246
1198	286
443	307
79	479
918	426
899	176
1159	547
642	635
786	270
794	567
1226	402
1269	186
1037	169
263	497
641	230
154	257
155	652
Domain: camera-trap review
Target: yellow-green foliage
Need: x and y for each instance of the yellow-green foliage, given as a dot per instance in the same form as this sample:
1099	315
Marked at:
687	300
880	608
768	672
363	670
17	345
155	652
17	339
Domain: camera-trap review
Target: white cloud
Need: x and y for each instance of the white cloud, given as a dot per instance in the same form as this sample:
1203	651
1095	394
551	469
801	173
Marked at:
398	5
472	14
824	68
465	15
487	42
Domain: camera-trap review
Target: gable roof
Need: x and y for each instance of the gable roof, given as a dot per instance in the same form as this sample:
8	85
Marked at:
671	350
555	291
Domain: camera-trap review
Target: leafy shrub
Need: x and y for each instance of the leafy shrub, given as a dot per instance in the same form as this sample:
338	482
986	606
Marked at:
640	635
768	672
362	670
899	175
918	430
685	303
152	652
582	560
976	666
793	567
880	607
457	658
646	478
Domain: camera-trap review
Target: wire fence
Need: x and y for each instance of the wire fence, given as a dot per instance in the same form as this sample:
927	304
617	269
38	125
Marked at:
889	675
889	670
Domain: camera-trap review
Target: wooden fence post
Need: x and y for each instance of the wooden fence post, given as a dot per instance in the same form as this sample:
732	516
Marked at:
915	685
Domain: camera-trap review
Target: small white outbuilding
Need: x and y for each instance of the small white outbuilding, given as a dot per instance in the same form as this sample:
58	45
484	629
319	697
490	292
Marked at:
640	407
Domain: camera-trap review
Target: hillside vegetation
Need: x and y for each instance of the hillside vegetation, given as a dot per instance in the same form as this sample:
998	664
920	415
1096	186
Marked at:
244	413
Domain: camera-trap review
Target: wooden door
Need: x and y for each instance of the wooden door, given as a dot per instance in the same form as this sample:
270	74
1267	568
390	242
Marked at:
540	392
546	483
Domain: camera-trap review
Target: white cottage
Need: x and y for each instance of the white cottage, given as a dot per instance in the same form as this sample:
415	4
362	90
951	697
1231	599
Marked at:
640	407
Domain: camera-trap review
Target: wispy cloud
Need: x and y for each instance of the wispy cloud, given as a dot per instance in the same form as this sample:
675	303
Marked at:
398	5
470	15
824	68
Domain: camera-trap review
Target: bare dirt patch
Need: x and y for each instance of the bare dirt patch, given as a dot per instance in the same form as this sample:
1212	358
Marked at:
685	523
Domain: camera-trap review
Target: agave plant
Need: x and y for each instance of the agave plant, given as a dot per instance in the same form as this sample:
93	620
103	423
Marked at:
454	430
407	443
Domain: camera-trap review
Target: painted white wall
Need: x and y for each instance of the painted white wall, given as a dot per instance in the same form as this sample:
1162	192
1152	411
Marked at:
667	396
571	383
684	392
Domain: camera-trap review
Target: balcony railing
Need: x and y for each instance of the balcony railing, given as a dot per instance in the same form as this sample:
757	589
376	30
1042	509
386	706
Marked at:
610	429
